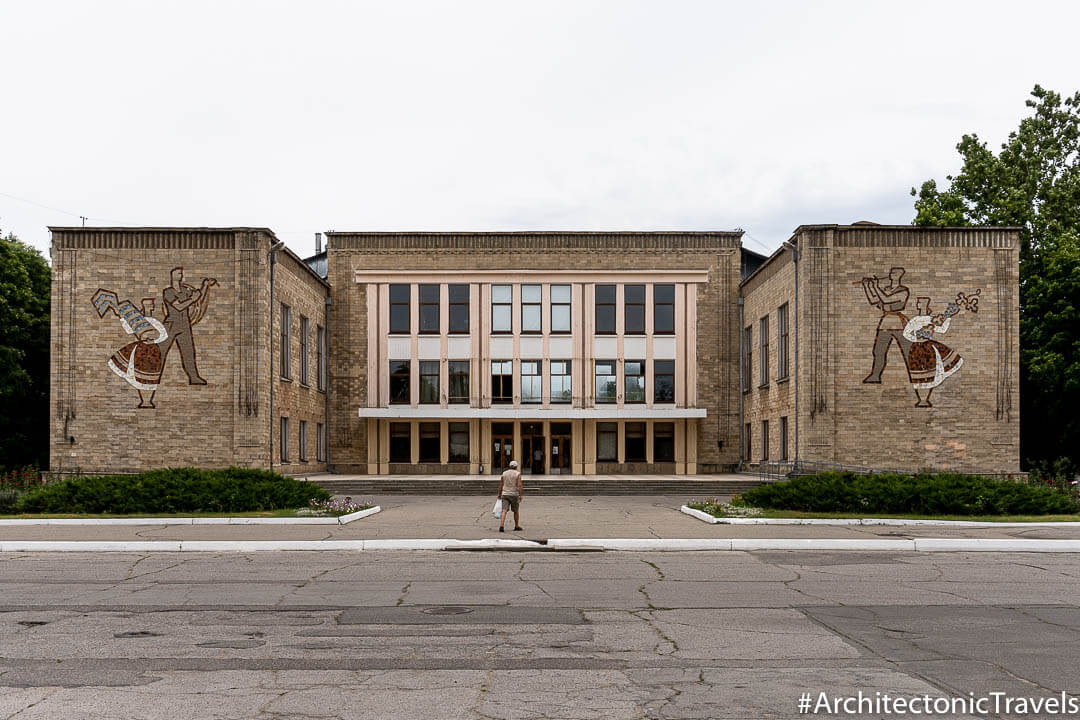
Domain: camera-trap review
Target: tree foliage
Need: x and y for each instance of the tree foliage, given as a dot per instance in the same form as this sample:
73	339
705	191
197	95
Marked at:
24	355
1032	183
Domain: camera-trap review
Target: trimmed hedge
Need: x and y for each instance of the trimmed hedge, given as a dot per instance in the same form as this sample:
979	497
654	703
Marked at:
929	494
173	490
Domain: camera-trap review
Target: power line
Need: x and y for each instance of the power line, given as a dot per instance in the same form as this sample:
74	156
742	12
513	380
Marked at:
47	207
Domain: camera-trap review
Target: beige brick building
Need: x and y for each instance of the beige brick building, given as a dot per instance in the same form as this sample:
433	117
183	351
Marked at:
573	353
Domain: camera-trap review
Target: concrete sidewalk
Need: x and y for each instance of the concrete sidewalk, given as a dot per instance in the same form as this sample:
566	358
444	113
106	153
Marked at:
543	517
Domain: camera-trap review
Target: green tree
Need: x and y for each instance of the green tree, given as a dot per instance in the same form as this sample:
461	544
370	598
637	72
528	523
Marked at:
24	355
1033	183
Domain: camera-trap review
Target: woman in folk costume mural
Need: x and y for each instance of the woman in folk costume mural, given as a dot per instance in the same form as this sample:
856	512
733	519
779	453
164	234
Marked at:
930	362
140	362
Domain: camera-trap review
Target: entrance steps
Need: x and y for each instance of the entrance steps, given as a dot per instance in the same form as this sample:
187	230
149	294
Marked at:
698	486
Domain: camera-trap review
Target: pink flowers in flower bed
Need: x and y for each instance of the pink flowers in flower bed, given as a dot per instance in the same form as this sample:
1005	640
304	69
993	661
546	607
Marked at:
22	479
337	506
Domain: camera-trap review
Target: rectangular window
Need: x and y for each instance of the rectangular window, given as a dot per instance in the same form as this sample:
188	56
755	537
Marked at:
763	359
459	309
459	442
560	308
782	342
664	309
458	377
561	388
635	441
607	442
606	381
286	330
429	309
783	438
320	442
430	437
634	309
502	381
429	381
400	296
399	382
747	358
531	312
320	357
663	442
764	439
283	440
530	381
605	309
304	346
400	442
502	308
634	381
746	442
301	446
664	381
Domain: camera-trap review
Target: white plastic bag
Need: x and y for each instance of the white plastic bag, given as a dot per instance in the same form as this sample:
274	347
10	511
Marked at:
497	510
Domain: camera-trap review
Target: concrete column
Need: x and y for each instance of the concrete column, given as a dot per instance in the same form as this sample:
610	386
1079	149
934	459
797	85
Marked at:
444	439
414	444
384	447
517	445
590	447
680	455
691	446
372	446
577	450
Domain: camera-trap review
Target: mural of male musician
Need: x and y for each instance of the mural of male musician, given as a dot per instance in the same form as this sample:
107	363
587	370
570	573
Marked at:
890	298
184	307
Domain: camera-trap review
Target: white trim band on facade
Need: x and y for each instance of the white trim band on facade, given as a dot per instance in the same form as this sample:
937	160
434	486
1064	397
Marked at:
639	412
518	276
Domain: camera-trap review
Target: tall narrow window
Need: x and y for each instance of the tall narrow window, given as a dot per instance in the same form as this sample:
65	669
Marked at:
502	308
634	381
400	442
746	442
400	296
531	313
284	365
664	309
561	387
560	308
305	329
283	440
664	381
399	382
301	446
782	342
763	359
458	377
320	357
502	381
320	442
429	309
747	358
459	309
634	309
530	381
764	439
663	442
459	442
783	438
430	439
635	441
605	309
607	441
606	381
429	381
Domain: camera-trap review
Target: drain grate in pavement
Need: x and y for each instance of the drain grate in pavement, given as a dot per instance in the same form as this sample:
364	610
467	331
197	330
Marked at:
447	610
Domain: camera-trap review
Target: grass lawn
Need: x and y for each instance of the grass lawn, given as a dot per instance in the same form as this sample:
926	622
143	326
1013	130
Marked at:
767	513
73	516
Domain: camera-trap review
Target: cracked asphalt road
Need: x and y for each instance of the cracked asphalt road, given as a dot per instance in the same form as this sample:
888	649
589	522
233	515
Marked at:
524	635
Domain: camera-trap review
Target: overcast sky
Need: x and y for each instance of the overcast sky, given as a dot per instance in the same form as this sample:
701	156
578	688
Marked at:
308	116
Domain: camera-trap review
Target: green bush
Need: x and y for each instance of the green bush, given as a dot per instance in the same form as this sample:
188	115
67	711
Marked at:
173	490
925	494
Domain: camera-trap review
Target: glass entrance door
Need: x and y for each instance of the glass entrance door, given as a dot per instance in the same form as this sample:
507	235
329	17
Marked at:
560	448
502	446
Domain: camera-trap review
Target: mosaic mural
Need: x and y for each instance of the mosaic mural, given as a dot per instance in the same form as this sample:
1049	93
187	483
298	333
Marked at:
140	363
929	362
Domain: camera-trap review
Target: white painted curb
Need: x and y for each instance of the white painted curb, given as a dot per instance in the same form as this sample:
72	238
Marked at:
314	520
706	517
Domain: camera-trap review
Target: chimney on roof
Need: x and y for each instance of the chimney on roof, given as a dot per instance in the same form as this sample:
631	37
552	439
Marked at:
318	243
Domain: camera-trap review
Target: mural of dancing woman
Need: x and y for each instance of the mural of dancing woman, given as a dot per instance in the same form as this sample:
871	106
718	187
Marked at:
929	361
140	362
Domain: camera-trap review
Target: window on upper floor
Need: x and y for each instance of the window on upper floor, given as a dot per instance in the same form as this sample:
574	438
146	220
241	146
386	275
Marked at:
429	382
458	377
400	297
531	381
634	309
502	381
399	382
305	330
561	387
459	309
502	308
782	342
664	309
747	358
663	381
634	381
429	309
560	308
284	364
531	304
605	309
606	381
320	357
763	357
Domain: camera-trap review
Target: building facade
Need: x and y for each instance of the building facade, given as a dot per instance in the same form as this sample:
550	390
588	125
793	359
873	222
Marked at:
571	353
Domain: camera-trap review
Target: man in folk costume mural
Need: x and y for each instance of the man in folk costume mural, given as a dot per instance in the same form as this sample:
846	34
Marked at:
930	362
140	362
890	298
184	307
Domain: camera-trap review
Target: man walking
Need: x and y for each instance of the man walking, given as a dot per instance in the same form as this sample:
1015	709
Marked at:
510	491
